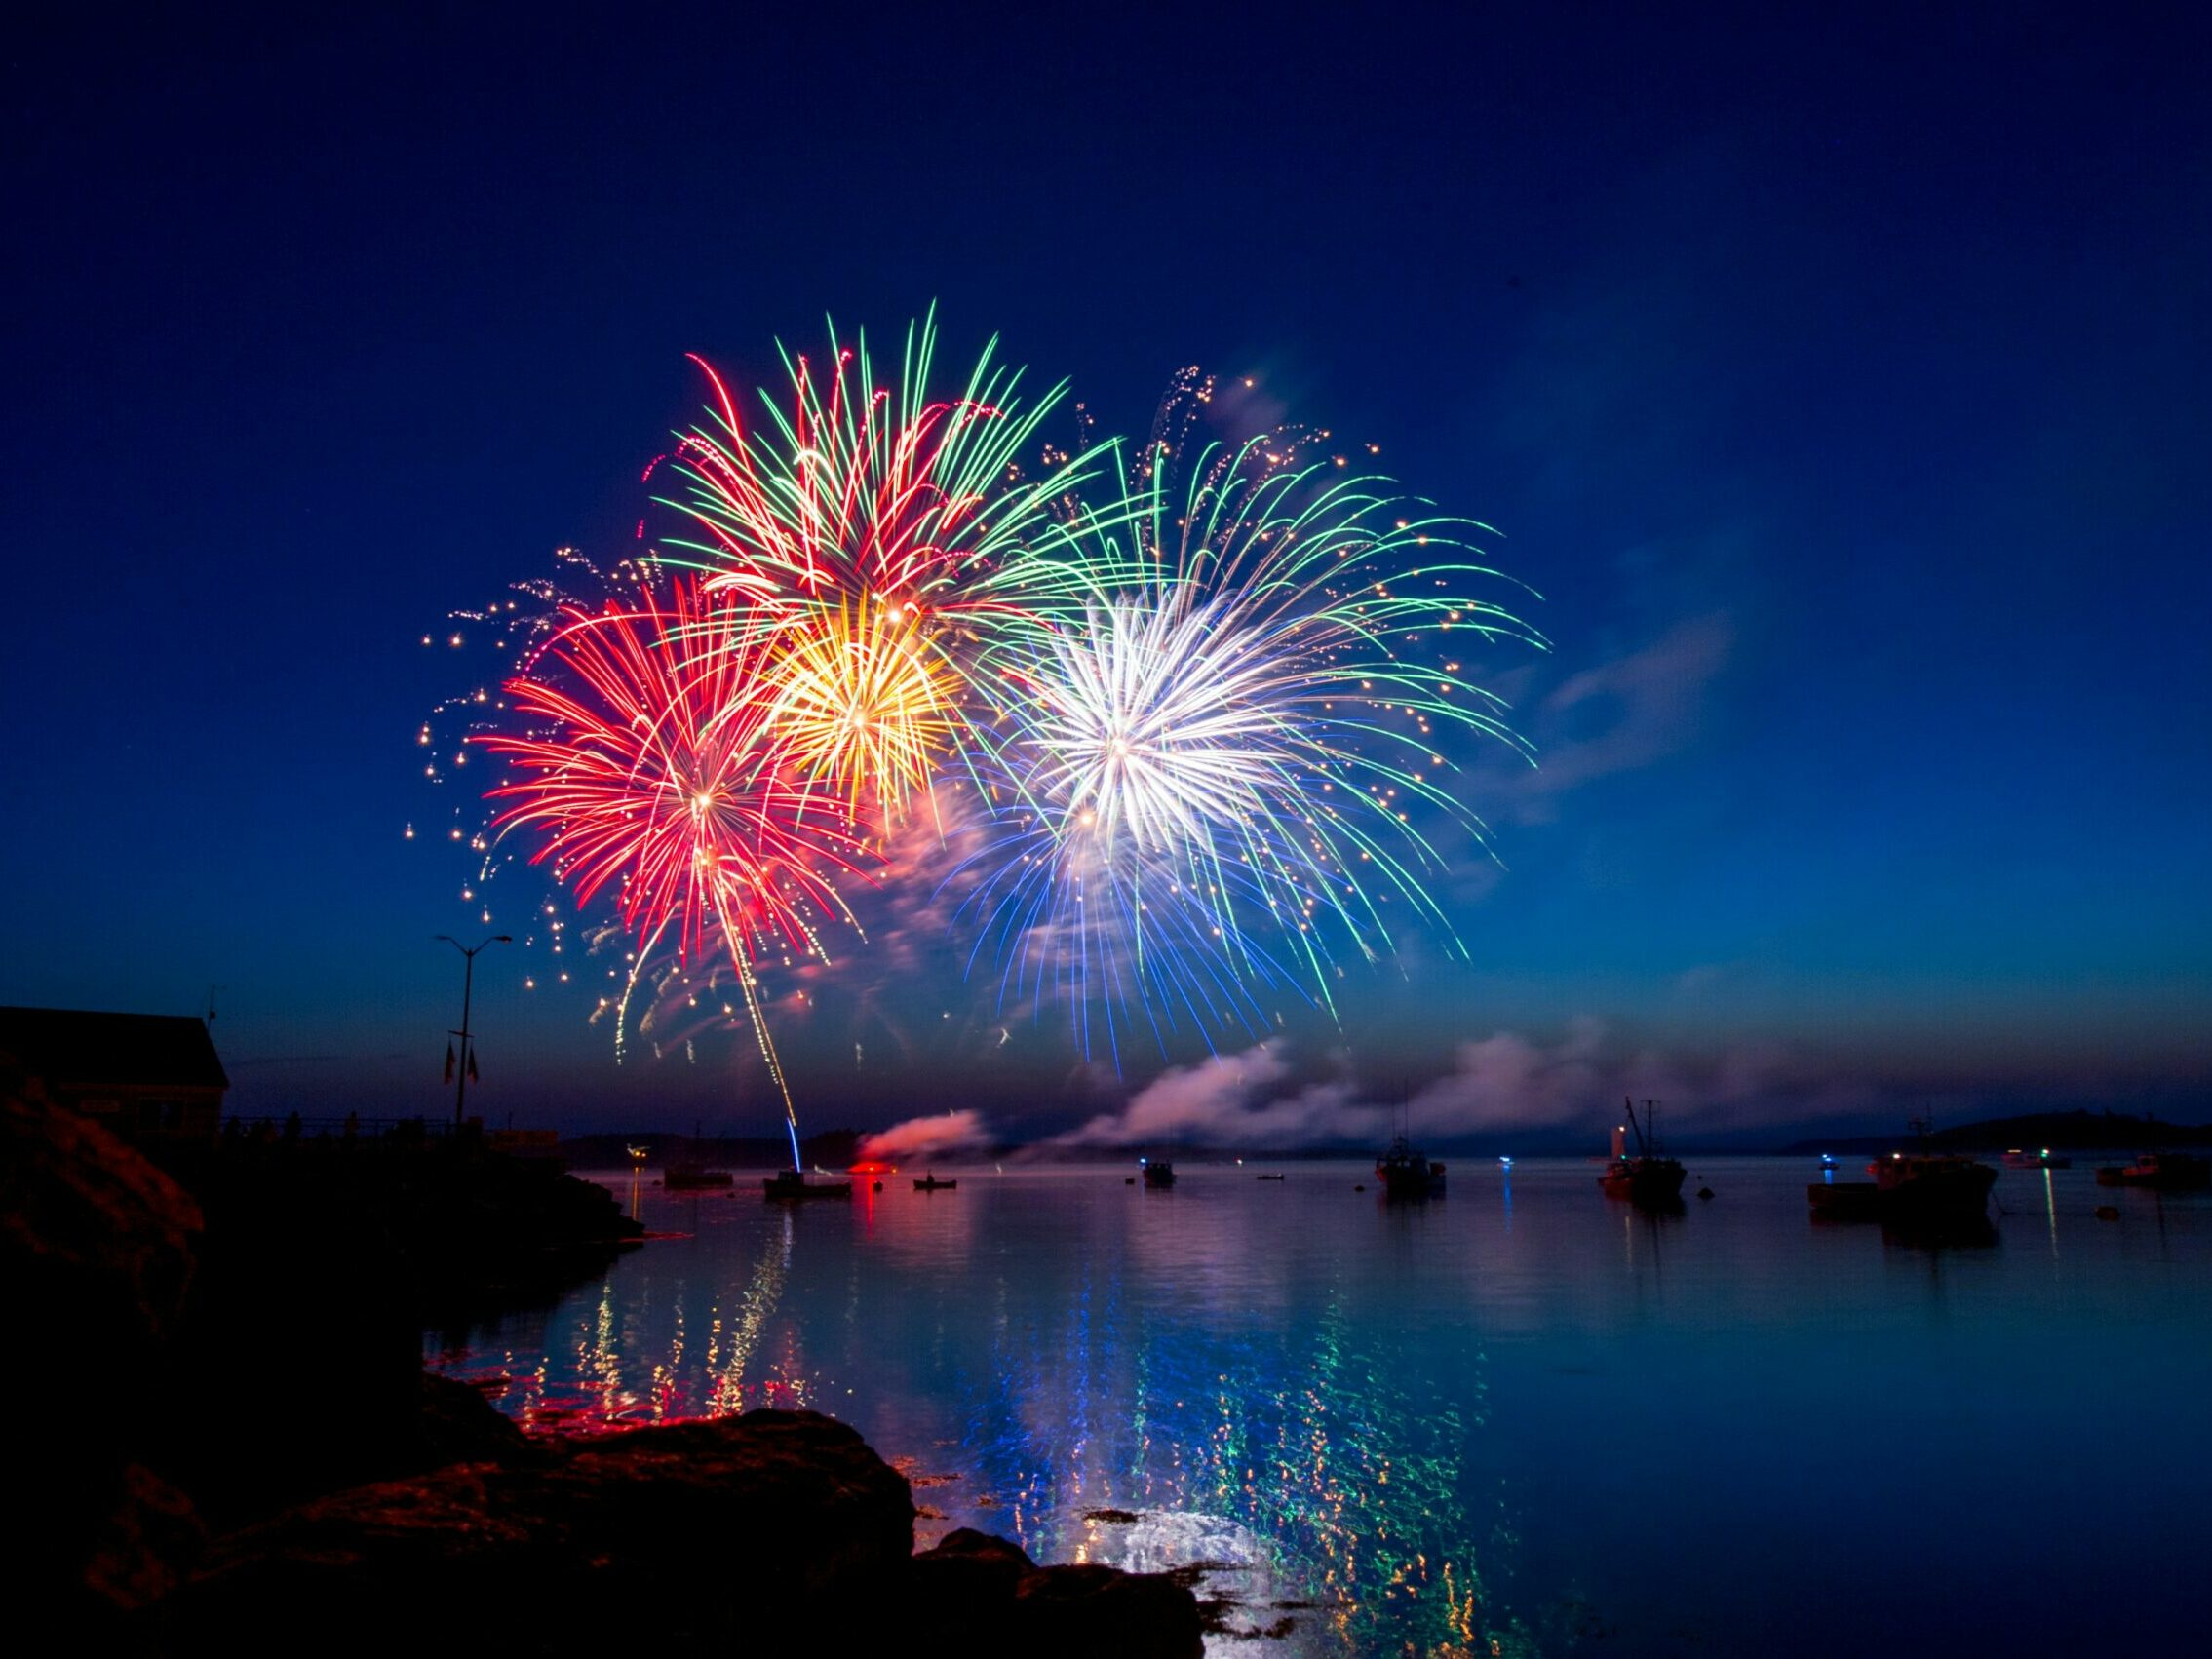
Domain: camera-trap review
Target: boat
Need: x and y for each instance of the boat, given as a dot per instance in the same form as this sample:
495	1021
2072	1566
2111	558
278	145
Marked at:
2161	1172
1405	1171
1159	1175
930	1183
1918	1185
1649	1178
794	1184
694	1178
2016	1159
1267	1178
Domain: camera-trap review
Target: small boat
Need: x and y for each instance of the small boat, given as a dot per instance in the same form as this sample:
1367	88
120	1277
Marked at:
2160	1172
2016	1159
794	1184
1160	1175
1406	1172
930	1183
693	1178
1267	1178
1648	1178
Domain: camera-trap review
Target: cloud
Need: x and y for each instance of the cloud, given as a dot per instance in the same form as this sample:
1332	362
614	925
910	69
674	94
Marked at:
939	1135
1507	1080
1622	716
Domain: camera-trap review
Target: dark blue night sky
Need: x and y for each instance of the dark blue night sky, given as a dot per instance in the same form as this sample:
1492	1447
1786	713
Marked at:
1838	375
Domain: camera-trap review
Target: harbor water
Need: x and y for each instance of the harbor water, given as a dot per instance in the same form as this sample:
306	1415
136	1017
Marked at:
1516	1419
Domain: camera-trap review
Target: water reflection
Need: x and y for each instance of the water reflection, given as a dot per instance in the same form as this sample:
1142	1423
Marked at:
1484	1424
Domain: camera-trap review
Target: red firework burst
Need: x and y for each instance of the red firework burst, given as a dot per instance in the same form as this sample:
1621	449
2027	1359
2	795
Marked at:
655	766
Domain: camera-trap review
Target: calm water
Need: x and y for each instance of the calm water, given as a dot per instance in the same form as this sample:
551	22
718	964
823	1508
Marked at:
1519	1419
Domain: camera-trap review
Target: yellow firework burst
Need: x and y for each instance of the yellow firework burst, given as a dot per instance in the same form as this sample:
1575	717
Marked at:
867	701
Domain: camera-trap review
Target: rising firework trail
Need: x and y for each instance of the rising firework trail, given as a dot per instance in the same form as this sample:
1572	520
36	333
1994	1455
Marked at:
652	764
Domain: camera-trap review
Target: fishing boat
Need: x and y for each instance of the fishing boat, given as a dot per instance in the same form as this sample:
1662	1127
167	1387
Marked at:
930	1183
1649	1177
2160	1172
1922	1185
694	1178
1405	1171
793	1184
2016	1159
1157	1173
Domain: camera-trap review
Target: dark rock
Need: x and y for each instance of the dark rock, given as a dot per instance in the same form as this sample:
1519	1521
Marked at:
980	1598
721	1529
1096	1612
147	1544
960	1597
85	1219
97	1252
459	1425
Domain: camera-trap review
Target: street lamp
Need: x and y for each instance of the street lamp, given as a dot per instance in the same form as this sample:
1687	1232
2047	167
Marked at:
468	984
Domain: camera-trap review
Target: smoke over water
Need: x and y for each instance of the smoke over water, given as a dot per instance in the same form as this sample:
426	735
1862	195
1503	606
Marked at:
1504	1082
936	1137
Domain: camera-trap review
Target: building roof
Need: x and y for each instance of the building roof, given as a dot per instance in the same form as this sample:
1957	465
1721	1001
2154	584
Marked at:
76	1048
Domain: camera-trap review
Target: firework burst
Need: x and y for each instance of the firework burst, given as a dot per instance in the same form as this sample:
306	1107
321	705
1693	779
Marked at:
1212	784
887	532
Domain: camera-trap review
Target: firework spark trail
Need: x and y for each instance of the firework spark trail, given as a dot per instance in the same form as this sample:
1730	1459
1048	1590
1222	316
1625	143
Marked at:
1217	770
659	768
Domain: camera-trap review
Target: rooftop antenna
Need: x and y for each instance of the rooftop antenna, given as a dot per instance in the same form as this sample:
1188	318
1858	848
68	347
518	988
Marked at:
212	990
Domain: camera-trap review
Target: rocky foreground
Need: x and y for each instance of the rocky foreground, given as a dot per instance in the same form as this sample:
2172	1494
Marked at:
177	1493
779	1525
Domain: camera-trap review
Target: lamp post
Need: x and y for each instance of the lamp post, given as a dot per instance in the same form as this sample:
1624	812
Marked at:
468	985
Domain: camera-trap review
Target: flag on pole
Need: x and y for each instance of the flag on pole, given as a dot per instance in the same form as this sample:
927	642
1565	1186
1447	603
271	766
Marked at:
472	1063
448	1063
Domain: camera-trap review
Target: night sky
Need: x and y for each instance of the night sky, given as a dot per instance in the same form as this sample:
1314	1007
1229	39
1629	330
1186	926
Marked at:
1838	377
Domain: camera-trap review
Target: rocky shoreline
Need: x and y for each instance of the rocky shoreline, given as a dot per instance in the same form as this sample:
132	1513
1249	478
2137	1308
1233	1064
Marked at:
782	1522
213	1480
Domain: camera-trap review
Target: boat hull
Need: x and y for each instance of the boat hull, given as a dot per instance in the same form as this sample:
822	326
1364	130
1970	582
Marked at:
792	1189
696	1181
1643	1180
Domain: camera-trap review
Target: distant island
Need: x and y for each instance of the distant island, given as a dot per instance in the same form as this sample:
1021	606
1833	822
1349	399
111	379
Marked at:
2067	1131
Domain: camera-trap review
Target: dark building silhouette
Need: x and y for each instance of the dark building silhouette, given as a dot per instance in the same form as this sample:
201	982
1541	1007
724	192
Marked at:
141	1074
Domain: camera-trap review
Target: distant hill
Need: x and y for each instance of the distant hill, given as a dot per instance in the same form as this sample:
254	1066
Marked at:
2061	1132
833	1149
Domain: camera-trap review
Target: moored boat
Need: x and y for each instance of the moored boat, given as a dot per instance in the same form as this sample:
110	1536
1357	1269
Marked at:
2161	1172
1158	1171
930	1183
1918	1185
794	1184
2016	1159
691	1177
1649	1177
1406	1172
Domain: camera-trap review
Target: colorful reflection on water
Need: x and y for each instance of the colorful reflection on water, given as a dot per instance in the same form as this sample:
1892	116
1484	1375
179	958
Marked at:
1520	1420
